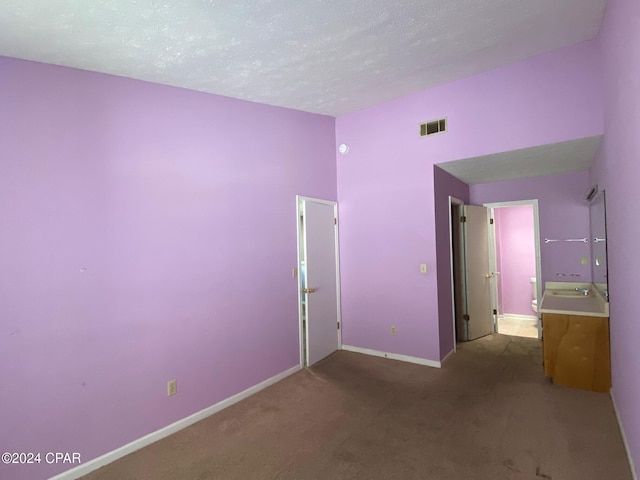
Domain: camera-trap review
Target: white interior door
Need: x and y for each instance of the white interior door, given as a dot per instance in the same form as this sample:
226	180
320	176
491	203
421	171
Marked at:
478	277
321	279
493	266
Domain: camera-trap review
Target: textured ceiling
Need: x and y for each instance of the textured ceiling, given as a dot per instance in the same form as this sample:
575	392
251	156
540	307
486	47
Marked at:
552	159
323	56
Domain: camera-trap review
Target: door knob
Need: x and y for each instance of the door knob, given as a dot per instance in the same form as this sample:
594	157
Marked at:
488	275
309	290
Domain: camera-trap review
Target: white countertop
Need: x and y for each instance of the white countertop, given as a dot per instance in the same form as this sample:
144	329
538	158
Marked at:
592	305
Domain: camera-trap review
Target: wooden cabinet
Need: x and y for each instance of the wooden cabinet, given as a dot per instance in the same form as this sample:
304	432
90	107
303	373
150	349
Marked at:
576	351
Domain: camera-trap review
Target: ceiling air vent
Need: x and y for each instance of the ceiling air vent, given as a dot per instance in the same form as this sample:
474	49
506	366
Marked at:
433	127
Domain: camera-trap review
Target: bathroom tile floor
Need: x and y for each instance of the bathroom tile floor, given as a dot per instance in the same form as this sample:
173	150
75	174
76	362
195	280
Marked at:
518	327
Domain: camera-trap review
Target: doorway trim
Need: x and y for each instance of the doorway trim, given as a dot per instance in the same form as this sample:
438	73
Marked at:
536	233
459	203
300	200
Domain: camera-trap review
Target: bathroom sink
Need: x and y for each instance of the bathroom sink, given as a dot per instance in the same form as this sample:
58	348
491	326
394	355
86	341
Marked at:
568	294
566	300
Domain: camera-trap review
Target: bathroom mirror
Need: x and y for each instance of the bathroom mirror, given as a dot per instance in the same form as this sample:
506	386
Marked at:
598	222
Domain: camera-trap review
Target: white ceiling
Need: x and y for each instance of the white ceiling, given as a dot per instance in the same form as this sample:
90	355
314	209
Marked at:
322	56
552	159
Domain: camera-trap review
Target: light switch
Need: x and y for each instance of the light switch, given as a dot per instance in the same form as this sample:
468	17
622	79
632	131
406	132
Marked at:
423	268
584	261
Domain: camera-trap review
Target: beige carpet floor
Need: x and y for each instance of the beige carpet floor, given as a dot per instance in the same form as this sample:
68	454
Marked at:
489	413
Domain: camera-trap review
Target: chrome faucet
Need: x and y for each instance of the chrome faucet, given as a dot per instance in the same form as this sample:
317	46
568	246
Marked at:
585	291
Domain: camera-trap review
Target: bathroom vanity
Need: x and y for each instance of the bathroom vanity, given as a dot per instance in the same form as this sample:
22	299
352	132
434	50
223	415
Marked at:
575	339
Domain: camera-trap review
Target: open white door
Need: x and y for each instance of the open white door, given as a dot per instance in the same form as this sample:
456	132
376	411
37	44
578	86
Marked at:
321	280
478	277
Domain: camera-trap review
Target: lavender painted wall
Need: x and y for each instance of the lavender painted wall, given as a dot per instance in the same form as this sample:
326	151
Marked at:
445	185
563	213
148	234
386	186
617	168
517	253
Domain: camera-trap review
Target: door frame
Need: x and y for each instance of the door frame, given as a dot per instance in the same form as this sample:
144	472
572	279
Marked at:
461	262
493	259
300	200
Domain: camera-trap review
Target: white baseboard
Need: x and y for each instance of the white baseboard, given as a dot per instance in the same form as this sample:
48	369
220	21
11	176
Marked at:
446	357
114	455
517	316
624	437
393	356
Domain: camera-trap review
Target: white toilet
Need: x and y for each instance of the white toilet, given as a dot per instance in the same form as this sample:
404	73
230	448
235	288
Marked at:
534	290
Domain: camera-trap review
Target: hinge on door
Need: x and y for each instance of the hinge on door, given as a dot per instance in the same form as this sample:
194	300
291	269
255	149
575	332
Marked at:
335	221
463	219
491	221
465	317
495	312
338	325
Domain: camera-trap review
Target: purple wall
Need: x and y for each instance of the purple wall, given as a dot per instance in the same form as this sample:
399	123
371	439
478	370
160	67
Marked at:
136	215
516	250
148	234
617	169
445	185
386	186
563	213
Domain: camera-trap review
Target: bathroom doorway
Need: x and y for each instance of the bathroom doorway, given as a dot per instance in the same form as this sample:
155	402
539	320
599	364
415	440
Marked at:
515	257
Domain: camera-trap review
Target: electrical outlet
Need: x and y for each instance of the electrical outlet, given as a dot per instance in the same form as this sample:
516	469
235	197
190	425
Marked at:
393	330
584	261
172	387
